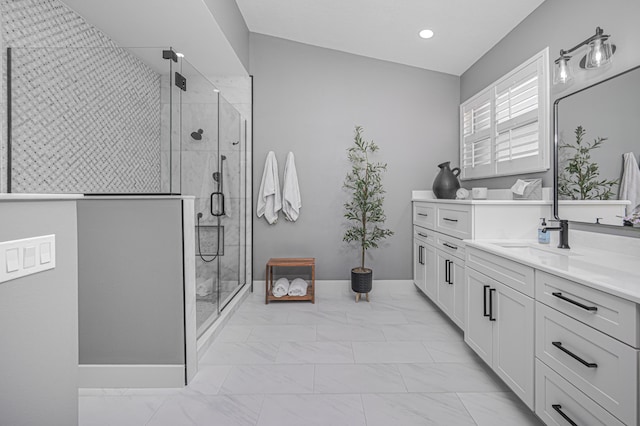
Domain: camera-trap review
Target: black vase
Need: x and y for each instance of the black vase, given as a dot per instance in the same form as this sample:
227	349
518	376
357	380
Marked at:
446	183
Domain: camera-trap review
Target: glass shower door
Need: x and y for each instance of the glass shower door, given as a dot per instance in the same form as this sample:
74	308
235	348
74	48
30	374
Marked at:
201	164
231	146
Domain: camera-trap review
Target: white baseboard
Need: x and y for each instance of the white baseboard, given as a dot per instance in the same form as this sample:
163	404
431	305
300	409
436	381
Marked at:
131	376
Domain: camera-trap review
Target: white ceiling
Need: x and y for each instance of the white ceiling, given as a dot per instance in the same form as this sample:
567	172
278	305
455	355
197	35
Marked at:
388	29
186	25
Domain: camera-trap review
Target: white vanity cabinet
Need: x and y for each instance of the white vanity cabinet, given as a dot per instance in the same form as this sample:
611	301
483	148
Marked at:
567	344
439	253
451	293
587	340
500	328
424	261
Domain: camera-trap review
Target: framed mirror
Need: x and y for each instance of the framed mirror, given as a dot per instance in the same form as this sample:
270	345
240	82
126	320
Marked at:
593	130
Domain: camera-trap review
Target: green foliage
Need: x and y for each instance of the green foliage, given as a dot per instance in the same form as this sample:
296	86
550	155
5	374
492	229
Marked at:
364	182
580	178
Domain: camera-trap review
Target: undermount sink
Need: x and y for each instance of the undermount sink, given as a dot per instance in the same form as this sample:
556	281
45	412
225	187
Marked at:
551	256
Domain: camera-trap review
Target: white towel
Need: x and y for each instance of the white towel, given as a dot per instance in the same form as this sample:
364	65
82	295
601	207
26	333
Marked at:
298	287
281	287
269	201
204	287
630	183
291	202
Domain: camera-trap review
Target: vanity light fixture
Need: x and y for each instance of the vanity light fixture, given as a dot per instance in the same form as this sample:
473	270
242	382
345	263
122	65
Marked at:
425	34
600	53
180	55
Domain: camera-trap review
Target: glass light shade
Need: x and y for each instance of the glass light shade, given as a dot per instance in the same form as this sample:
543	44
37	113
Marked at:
562	71
599	53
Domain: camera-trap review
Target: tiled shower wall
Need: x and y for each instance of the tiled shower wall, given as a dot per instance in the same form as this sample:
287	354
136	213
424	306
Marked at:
86	113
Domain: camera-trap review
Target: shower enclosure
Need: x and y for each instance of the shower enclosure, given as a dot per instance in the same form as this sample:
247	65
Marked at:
133	122
213	148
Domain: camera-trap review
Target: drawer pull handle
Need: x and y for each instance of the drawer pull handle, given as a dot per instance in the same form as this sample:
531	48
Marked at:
449	220
422	214
450	246
574	356
558	408
566	299
491	317
422	235
484	301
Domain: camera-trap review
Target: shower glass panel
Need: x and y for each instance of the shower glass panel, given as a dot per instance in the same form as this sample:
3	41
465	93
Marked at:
212	151
231	148
89	120
201	178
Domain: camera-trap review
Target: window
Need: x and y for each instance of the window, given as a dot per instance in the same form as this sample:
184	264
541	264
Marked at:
504	129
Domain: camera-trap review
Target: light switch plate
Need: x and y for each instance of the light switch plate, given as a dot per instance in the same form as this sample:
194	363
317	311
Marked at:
19	258
29	260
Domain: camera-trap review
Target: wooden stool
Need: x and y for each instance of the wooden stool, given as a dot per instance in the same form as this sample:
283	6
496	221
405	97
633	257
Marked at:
293	262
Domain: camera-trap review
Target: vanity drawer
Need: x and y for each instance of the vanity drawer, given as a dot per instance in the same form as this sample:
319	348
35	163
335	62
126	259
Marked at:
450	245
605	369
424	235
555	395
516	275
424	215
454	220
612	315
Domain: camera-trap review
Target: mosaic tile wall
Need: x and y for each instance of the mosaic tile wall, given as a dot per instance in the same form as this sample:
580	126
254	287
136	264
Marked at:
86	116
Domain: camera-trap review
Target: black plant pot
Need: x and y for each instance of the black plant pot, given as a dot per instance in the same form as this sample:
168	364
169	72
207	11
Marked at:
361	280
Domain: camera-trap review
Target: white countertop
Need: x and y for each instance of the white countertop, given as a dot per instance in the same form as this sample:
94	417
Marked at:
496	197
614	273
39	197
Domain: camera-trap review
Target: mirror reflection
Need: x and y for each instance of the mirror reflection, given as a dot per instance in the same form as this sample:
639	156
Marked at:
598	145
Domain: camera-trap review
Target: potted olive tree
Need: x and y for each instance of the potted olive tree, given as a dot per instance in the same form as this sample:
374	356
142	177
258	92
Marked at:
364	211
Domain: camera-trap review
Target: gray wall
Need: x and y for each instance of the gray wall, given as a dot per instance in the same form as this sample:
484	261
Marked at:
228	16
39	321
307	100
130	275
559	25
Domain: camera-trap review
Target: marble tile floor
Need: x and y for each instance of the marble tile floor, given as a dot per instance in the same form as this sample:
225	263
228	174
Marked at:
394	361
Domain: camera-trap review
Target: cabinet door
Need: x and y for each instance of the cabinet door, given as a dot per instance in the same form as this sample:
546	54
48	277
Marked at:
430	273
513	354
418	264
479	332
445	287
456	276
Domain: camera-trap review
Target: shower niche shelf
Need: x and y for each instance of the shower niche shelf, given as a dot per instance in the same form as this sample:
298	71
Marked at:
291	262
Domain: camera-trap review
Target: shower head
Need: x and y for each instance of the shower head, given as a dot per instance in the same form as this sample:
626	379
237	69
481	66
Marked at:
197	135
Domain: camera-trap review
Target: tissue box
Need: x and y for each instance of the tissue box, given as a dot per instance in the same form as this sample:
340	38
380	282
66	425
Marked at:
533	191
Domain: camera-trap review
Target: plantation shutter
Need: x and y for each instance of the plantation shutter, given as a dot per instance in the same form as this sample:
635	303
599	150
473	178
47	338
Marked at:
477	153
504	128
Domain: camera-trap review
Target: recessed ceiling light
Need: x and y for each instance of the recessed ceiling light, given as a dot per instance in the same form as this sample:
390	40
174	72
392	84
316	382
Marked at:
426	33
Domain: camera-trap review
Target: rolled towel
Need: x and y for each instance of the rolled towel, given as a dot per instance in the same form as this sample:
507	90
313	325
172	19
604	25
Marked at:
281	287
298	287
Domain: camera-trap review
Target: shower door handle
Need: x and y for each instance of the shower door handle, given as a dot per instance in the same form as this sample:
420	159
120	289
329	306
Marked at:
221	212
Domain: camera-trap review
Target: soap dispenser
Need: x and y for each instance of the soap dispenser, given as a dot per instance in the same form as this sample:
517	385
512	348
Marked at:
543	237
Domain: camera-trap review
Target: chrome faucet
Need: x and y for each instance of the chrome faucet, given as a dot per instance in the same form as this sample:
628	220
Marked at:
564	233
